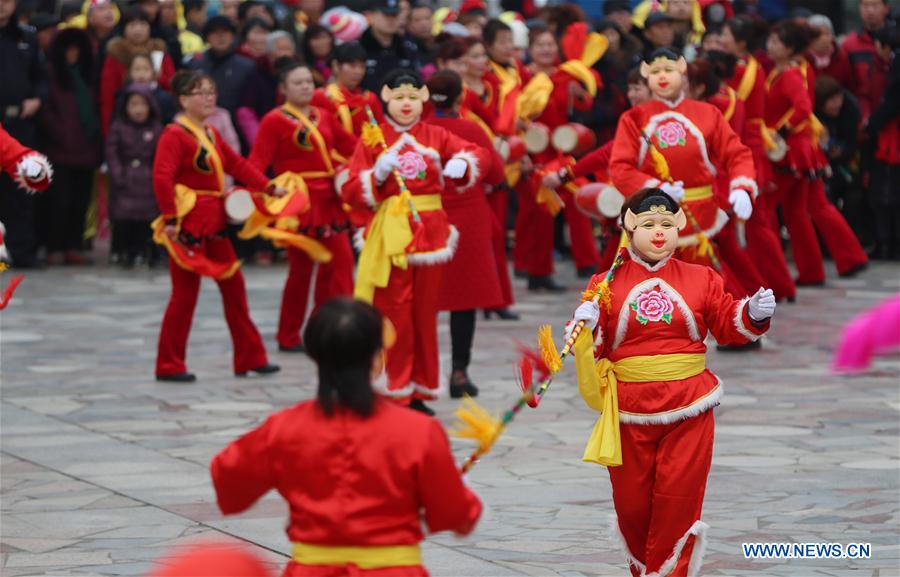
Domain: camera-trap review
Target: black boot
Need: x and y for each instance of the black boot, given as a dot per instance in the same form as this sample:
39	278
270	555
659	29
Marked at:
266	369
751	346
502	314
177	378
587	271
419	405
544	283
460	385
298	348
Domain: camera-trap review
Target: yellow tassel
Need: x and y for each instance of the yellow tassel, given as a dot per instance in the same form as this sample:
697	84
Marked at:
548	349
704	248
659	162
476	423
371	134
602	293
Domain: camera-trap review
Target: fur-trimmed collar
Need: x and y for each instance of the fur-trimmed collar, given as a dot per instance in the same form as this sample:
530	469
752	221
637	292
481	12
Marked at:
123	51
671	103
650	267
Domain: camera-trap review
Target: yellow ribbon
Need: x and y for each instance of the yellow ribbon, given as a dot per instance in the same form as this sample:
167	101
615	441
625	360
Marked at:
533	98
387	237
212	153
697	193
748	81
333	92
364	557
314	135
578	70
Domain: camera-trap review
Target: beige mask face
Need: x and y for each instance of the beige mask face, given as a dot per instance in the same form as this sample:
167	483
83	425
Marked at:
654	233
665	77
404	103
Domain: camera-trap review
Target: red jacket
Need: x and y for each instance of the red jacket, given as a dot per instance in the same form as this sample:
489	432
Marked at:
751	90
789	105
349	480
348	107
837	65
870	72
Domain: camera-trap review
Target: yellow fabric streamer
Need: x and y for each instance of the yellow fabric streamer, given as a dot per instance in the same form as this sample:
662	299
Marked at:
533	98
476	423
594	48
343	110
363	556
513	172
660	163
748	81
548	349
387	237
598	387
578	70
310	246
551	201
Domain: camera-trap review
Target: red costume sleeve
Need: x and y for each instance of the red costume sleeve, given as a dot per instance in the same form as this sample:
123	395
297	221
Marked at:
359	190
169	152
266	143
793	87
321	100
344	142
728	319
625	175
239	167
733	155
241	472
449	505
11	151
594	162
475	156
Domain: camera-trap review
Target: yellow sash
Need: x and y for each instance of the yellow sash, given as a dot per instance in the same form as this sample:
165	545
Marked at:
597	383
333	91
314	134
212	153
508	80
388	236
748	81
364	557
577	69
732	103
697	193
533	99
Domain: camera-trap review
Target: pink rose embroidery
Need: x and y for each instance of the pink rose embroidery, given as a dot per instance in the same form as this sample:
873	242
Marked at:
653	306
671	134
412	165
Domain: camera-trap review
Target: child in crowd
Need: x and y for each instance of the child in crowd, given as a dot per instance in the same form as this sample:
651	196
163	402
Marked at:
141	70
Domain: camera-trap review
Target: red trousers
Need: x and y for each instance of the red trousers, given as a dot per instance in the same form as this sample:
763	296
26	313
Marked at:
333	279
737	259
658	493
499	203
534	232
806	210
581	234
410	301
764	248
249	351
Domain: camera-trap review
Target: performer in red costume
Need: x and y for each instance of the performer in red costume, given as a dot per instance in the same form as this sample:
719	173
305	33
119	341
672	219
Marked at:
470	213
798	173
359	473
30	169
188	171
504	78
399	170
303	141
748	82
657	439
344	98
675	144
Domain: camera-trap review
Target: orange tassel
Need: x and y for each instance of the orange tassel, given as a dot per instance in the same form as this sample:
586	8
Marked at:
476	423
548	350
660	163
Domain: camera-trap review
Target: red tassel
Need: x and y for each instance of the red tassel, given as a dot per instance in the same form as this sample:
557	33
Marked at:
10	289
530	362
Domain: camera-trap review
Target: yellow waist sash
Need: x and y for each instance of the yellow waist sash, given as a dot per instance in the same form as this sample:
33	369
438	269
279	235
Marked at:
388	236
364	557
698	193
597	383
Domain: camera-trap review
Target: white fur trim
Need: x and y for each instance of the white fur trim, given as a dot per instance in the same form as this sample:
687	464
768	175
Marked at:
617	537
710	400
698	529
27	184
380	385
739	322
716	228
437	256
666	288
657	119
745	183
436	393
671	103
652	183
473	173
650	267
398	127
367	181
359	239
340	179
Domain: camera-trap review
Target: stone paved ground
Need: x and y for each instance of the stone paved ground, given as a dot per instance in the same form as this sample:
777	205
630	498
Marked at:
103	469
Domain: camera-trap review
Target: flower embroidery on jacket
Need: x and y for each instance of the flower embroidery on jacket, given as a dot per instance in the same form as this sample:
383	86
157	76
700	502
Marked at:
653	305
671	134
412	165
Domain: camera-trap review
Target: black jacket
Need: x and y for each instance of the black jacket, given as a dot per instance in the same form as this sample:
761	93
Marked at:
230	71
23	77
402	53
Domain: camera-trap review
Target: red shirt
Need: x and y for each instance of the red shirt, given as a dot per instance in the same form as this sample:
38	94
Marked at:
349	480
349	108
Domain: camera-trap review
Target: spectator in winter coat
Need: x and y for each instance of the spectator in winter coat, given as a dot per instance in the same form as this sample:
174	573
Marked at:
228	69
73	145
825	55
870	68
135	39
141	71
130	148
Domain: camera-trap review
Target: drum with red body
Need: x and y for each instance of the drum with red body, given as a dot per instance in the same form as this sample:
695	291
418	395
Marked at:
537	138
510	149
573	138
600	201
239	204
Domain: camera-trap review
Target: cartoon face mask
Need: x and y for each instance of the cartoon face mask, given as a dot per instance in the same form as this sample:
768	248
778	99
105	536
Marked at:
404	103
654	232
665	76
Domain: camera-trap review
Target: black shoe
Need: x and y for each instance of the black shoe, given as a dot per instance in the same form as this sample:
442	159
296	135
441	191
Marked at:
520	274
299	348
460	385
419	405
818	284
502	314
587	271
545	283
751	346
266	369
854	271
177	378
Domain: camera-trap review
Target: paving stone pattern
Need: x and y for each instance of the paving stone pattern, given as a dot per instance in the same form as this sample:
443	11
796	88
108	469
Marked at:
103	469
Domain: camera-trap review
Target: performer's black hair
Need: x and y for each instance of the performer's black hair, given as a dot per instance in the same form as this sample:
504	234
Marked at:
663	52
492	29
644	199
348	52
398	78
343	337
284	67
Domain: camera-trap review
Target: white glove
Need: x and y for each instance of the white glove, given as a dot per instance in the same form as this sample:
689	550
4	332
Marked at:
740	200
384	165
589	312
673	189
761	306
456	168
32	168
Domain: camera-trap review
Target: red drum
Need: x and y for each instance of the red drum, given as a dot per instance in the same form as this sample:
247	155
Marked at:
574	139
600	201
537	138
238	204
510	149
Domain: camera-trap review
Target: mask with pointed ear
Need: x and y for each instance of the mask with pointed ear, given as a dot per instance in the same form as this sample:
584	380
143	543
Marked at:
680	219
682	65
404	104
629	222
645	70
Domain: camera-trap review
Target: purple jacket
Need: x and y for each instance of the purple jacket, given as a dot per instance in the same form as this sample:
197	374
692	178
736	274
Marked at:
129	154
66	142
